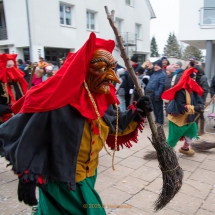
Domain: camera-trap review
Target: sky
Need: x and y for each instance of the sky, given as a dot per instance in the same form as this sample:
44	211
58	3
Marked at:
167	13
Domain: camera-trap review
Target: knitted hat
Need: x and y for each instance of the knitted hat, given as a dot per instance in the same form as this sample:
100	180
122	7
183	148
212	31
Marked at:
171	68
164	58
179	63
192	58
140	70
159	63
134	58
28	62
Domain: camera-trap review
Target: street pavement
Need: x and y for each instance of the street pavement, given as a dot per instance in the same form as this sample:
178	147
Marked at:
136	183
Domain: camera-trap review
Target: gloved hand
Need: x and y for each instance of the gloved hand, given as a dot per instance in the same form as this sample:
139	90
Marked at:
199	108
27	193
145	103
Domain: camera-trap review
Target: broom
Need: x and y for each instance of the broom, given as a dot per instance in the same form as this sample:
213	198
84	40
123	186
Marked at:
168	162
203	145
151	155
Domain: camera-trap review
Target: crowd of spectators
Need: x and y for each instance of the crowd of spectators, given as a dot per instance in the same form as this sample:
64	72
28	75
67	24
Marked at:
155	78
43	69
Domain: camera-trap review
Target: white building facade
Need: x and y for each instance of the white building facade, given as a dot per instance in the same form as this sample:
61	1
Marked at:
52	28
197	28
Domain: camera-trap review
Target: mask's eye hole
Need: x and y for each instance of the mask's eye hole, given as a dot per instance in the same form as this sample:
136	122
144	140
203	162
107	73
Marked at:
104	69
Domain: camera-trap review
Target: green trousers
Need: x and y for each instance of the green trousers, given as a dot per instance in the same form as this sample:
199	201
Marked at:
60	201
176	132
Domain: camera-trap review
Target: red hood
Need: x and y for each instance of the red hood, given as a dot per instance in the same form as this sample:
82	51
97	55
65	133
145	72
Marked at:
185	82
67	87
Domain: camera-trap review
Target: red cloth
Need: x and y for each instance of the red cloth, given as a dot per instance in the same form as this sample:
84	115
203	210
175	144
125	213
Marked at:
134	65
185	82
67	87
13	73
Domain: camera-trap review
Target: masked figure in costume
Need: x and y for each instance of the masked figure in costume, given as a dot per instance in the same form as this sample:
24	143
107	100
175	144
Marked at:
61	125
185	102
12	85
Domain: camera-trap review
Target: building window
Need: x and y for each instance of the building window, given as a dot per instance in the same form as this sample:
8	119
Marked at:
129	2
209	12
65	14
138	31
119	24
26	53
209	3
91	20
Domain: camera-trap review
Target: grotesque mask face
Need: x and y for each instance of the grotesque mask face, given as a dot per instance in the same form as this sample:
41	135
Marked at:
101	72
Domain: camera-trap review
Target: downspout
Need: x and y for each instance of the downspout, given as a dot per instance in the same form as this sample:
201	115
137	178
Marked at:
29	30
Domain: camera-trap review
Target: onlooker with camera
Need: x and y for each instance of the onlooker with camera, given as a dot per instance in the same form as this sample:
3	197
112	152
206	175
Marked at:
154	89
148	67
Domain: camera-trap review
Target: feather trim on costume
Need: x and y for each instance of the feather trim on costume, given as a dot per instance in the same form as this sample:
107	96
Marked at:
126	139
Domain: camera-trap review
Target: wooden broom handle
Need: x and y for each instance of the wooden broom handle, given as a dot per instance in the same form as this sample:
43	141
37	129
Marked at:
198	115
110	17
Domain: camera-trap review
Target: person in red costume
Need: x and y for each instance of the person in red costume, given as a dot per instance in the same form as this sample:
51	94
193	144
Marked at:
60	127
185	102
12	85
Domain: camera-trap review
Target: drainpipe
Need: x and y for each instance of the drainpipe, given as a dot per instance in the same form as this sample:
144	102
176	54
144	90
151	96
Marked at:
29	31
208	62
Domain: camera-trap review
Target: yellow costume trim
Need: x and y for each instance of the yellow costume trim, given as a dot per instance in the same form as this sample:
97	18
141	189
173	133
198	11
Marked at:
181	119
88	155
98	118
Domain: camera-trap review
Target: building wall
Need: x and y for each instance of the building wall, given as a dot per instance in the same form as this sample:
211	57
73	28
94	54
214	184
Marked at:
46	30
16	22
189	28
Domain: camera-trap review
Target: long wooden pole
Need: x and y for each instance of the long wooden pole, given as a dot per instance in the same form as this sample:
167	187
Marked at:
134	78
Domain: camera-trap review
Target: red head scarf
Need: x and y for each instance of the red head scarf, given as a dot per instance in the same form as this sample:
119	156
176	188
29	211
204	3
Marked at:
67	87
13	73
185	82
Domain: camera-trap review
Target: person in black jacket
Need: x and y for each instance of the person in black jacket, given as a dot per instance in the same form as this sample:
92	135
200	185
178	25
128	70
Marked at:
136	66
122	88
212	87
202	81
140	76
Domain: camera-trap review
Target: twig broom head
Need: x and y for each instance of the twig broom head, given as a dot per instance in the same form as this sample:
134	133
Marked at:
201	146
172	173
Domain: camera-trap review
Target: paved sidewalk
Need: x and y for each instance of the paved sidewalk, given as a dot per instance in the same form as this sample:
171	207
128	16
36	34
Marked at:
135	184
